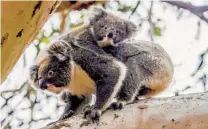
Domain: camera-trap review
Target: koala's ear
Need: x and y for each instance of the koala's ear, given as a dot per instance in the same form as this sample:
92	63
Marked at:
61	50
130	27
33	73
96	13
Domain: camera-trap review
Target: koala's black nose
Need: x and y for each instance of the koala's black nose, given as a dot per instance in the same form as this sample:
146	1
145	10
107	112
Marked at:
110	35
100	38
42	84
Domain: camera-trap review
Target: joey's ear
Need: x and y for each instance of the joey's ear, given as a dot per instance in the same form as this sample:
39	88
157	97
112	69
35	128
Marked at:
96	13
61	50
131	27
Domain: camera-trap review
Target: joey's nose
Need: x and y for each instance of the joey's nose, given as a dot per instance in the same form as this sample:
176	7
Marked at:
42	84
100	38
110	35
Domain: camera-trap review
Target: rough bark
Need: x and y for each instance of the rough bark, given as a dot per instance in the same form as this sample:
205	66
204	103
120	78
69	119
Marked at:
180	112
77	5
21	21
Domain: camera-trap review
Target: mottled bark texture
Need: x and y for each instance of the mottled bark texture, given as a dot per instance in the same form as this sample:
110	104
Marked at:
179	112
20	23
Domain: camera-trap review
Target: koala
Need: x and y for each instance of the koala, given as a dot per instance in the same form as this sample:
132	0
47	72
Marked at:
102	29
146	68
77	73
150	69
108	29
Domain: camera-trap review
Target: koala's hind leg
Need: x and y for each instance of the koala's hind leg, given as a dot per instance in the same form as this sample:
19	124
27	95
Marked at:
74	104
130	85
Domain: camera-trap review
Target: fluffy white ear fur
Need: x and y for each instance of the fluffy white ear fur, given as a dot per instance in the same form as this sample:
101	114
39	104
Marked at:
61	57
131	27
61	49
95	11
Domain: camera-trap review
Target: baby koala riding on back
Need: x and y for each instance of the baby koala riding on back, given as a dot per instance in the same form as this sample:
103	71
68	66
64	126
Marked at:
109	29
103	29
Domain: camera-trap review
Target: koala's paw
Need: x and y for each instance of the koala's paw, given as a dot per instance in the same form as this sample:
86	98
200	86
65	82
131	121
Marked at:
67	115
92	114
118	105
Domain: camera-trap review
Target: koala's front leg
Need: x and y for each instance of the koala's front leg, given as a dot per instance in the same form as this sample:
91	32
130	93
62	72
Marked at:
74	104
106	90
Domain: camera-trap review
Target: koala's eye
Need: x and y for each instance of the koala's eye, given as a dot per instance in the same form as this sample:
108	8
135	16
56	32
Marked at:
50	73
102	24
97	19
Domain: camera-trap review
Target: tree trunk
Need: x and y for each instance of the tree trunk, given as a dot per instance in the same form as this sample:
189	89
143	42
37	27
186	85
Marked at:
180	112
21	21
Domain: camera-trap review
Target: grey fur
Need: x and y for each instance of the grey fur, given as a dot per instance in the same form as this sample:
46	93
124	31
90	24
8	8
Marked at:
102	23
144	60
102	69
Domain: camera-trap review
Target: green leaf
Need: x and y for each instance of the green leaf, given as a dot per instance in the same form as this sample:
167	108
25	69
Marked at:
157	31
44	40
82	15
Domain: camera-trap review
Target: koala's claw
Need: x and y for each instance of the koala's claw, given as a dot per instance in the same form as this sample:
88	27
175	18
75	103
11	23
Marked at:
67	115
117	105
92	114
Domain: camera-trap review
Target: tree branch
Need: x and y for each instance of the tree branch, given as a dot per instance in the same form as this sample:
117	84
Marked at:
21	21
135	8
197	10
77	5
179	112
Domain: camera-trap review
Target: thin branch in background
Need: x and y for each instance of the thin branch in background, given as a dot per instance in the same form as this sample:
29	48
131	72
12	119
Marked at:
186	88
135	8
151	31
15	90
197	36
178	92
64	15
202	58
180	14
204	81
24	60
196	10
10	113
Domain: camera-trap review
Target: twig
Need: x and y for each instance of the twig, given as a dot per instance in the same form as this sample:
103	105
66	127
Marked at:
202	62
197	10
150	22
135	8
